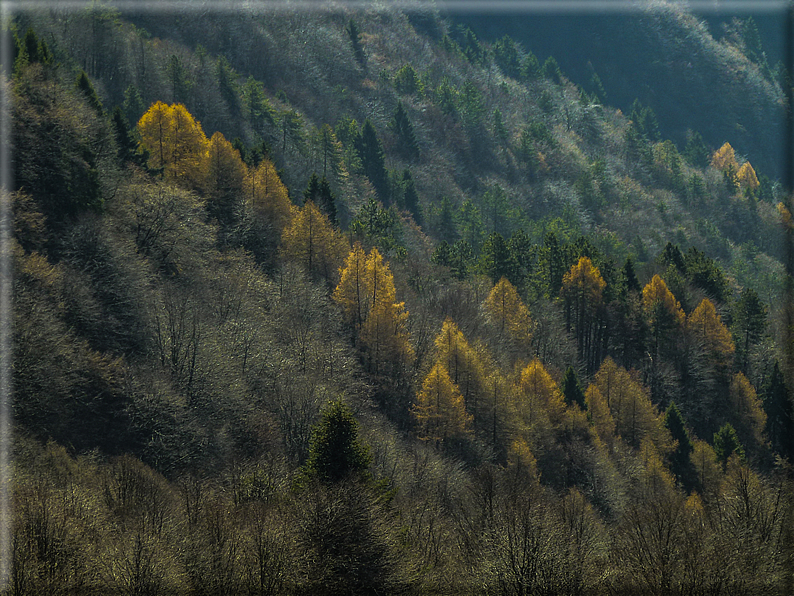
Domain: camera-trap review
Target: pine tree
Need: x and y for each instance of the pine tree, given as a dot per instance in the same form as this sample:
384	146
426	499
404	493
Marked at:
495	259
267	196
749	322
539	399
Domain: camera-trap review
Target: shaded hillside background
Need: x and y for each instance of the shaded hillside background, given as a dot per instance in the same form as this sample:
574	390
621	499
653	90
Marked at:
362	302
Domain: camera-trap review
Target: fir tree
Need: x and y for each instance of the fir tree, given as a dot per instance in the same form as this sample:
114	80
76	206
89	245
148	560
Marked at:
355	39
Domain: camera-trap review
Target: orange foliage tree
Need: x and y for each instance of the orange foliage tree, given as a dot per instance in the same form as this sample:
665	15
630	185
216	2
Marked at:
311	240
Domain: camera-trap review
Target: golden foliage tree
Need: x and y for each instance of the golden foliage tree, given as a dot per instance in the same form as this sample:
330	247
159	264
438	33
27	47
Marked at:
368	297
663	311
746	177
509	313
582	289
225	174
600	414
439	410
176	143
266	196
746	411
706	326
539	397
311	240
635	416
724	158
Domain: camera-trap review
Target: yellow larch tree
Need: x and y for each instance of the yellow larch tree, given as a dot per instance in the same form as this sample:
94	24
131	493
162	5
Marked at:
746	177
746	411
439	410
599	412
368	297
663	311
705	325
724	158
538	397
224	177
311	240
266	196
351	293
463	363
176	143
582	290
509	314
635	416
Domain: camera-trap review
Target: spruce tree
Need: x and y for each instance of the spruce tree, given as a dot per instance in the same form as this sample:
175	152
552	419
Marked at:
404	130
336	453
370	151
726	443
87	89
326	200
780	413
410	198
572	390
679	459
312	192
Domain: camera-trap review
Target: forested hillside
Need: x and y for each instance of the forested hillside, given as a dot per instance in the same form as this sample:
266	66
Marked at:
342	302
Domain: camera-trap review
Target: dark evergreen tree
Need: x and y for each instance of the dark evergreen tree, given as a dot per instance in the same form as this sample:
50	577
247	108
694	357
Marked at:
572	390
126	141
680	462
780	413
312	192
749	323
521	253
506	57
671	255
495	261
551	70
644	119
355	39
404	130
696	153
530	67
327	201
335	452
726	443
706	274
180	80
630	281
227	86
87	89
373	161
410	198
133	105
